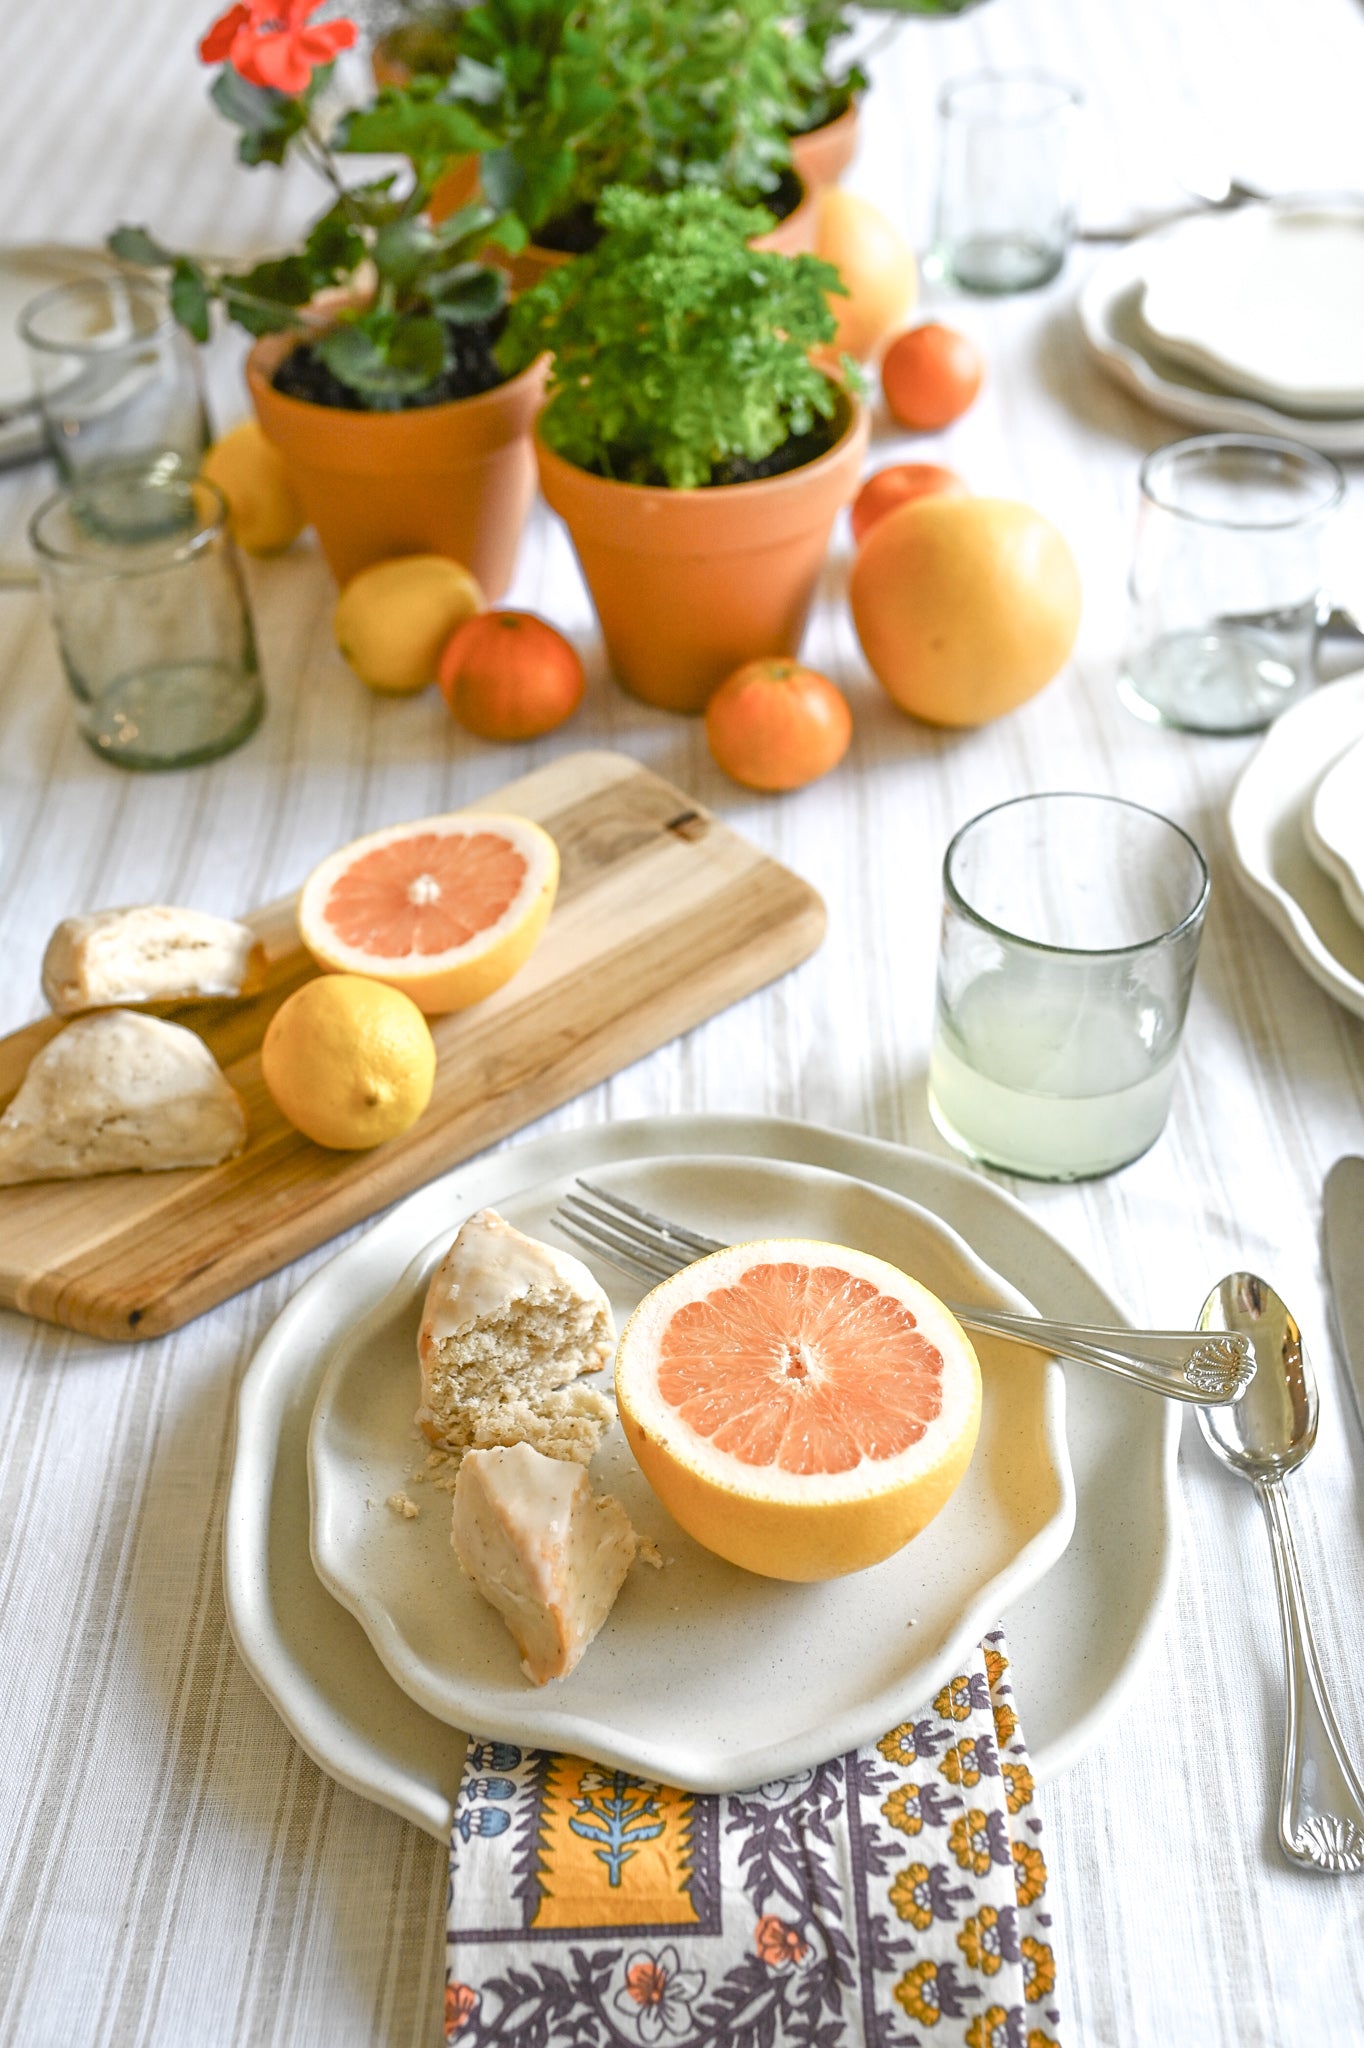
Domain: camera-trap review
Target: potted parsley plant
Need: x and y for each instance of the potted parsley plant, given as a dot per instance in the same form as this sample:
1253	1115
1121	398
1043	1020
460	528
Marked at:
375	370
695	451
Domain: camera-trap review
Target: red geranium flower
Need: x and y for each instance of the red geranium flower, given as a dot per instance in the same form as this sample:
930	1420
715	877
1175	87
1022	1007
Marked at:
272	42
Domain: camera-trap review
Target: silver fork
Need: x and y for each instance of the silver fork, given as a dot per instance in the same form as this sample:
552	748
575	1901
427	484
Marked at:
1184	1365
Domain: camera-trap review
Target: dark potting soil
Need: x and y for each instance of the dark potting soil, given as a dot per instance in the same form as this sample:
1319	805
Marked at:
795	451
473	368
574	234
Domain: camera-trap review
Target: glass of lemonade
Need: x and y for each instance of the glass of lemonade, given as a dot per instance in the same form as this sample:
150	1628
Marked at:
1070	936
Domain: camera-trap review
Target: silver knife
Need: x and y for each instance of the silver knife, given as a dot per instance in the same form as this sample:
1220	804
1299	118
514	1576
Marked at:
1344	1206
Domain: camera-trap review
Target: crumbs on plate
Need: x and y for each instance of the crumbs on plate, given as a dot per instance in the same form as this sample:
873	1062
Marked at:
401	1505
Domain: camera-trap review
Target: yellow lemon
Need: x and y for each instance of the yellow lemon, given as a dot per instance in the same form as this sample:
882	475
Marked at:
876	264
349	1061
801	1409
262	511
394	618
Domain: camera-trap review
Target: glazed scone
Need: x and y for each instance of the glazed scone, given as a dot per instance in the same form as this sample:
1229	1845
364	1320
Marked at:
508	1328
118	1092
150	954
548	1553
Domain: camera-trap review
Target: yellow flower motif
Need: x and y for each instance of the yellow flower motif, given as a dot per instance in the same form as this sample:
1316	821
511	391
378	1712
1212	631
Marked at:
979	1941
1019	1784
898	1746
1006	1721
995	1666
1039	1969
1037	2039
989	2028
954	1701
910	1993
1030	1873
960	1765
969	1843
904	1895
901	1809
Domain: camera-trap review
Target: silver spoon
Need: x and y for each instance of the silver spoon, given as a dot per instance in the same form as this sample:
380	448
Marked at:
1263	1436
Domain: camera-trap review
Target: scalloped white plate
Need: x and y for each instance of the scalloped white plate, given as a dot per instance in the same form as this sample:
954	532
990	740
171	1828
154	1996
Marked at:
704	1675
1333	826
1077	1640
1267	301
1109	312
1266	818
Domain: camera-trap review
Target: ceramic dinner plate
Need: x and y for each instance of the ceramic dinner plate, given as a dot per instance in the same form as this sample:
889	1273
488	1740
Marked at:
1266	821
704	1675
1267	301
1076	1639
1109	308
1333	826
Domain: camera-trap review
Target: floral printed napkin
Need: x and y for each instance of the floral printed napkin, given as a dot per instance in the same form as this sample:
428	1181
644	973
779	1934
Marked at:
889	1898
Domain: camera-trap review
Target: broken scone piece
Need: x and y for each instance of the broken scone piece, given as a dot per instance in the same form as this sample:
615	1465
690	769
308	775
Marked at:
116	1092
150	954
548	1553
508	1329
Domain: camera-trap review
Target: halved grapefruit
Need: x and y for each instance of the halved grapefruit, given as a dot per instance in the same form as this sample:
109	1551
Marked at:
801	1409
445	909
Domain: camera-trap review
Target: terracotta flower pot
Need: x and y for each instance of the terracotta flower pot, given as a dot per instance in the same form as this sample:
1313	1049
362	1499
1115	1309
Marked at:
794	235
821	155
453	479
689	584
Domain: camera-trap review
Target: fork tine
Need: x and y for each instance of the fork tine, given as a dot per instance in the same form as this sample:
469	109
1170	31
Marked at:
675	1232
594	1238
671	1254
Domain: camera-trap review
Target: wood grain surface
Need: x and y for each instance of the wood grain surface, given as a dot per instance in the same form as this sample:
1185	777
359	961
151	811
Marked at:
663	917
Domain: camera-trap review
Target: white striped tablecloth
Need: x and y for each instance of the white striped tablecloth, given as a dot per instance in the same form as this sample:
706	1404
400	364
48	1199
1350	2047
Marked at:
176	1870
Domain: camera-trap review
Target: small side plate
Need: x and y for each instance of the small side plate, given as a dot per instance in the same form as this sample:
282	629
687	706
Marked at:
704	1675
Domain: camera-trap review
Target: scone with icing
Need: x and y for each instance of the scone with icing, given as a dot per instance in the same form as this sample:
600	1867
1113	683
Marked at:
118	1092
149	954
548	1553
509	1328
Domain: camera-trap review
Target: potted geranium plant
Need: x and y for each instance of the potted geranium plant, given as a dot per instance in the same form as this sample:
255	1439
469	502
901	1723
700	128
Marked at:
696	452
375	371
627	92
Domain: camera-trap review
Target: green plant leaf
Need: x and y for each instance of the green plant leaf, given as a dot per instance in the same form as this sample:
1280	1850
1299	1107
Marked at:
135	245
189	296
468	293
412	121
383	357
269	120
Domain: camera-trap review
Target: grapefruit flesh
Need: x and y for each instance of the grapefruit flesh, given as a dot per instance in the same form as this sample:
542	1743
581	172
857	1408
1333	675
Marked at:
445	909
801	1409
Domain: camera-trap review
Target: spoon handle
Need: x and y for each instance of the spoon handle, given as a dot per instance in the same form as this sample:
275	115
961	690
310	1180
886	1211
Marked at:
1184	1365
1321	1808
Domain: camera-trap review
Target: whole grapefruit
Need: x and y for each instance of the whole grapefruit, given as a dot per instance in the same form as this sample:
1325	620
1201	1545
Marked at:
876	264
965	607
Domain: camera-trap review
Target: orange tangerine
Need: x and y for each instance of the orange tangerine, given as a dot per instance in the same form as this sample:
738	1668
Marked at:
445	909
801	1409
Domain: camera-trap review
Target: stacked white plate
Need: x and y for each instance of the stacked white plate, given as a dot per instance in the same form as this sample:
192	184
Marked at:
1297	832
1249	320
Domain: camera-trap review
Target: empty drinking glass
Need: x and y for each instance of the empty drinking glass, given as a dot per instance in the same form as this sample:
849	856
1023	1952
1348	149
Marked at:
117	380
1069	940
1227	581
1007	179
154	630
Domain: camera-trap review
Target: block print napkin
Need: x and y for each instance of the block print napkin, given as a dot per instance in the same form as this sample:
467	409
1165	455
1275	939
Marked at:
895	1897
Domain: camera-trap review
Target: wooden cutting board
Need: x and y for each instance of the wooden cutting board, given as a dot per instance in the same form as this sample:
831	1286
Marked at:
663	917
